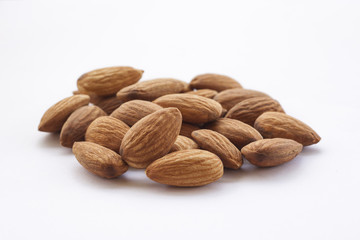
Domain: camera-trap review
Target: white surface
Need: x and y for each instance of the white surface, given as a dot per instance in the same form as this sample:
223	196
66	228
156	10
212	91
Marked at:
306	54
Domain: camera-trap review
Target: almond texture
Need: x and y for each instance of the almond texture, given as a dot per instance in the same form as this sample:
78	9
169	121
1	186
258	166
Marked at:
187	129
183	143
108	104
214	81
209	93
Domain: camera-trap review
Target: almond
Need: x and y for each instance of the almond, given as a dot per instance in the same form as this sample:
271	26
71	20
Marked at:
55	117
250	109
151	138
221	146
99	160
239	133
108	104
281	125
194	109
271	152
183	143
186	168
108	81
208	93
107	132
214	81
187	129
132	111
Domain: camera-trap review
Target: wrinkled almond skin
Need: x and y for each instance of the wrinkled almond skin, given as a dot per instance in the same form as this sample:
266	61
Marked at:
208	93
187	129
151	89
107	132
151	138
221	146
250	109
183	143
229	98
194	109
281	125
271	152
239	133
186	168
108	104
132	111
214	81
55	117
99	160
108	81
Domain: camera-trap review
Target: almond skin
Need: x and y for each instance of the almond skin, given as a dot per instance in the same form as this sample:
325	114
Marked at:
55	117
281	125
151	138
151	89
208	93
186	168
221	146
108	81
271	152
250	109
194	109
214	81
239	133
132	111
99	160
187	129
107	132
183	143
108	104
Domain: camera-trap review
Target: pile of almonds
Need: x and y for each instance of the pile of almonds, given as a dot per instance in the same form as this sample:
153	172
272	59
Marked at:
182	134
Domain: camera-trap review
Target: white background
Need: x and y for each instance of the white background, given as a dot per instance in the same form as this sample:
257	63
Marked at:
306	54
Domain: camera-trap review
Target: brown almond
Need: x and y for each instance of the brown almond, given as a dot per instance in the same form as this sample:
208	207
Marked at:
194	109
186	168
187	129
271	152
281	125
151	138
108	104
221	146
208	93
214	81
107	132
55	117
99	160
183	143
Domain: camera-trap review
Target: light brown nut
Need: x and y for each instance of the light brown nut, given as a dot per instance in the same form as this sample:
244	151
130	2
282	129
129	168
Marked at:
107	132
99	160
208	93
183	143
186	168
239	133
194	109
221	146
214	81
108	104
271	152
132	111
151	89
151	138
281	125
55	117
187	129
229	98
250	109
108	81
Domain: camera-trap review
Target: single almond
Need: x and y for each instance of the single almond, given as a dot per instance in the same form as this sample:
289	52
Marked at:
214	81
271	152
55	117
208	93
183	143
151	138
194	109
281	125
187	129
107	132
108	104
99	160
186	168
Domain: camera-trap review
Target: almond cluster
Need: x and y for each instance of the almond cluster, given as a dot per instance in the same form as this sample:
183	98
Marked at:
182	134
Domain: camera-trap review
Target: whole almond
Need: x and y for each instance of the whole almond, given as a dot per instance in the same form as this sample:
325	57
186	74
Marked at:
183	143
186	168
229	98
187	129
194	109
55	117
271	152
281	125
221	146
151	138
107	132
239	133
108	81
99	160
132	111
208	93
151	89
250	109
214	81
108	104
